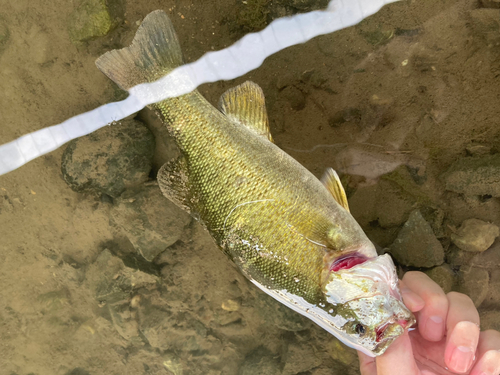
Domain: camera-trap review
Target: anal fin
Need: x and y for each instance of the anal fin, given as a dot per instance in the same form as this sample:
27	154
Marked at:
245	105
332	183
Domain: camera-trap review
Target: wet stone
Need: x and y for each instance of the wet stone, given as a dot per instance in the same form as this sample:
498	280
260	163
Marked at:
474	176
345	357
150	221
90	20
443	275
416	245
109	160
475	235
473	282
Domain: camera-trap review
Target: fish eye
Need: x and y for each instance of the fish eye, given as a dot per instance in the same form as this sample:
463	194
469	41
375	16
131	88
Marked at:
360	329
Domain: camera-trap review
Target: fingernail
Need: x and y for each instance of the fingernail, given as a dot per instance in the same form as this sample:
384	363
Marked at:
461	359
434	328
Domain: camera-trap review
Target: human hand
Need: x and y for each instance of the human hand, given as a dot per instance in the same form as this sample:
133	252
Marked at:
447	340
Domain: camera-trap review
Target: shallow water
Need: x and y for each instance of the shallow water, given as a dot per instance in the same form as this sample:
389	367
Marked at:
390	104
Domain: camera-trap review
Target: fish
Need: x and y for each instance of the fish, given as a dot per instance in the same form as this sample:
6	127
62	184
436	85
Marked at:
288	232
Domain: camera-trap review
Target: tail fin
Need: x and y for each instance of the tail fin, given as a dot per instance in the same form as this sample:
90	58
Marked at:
154	52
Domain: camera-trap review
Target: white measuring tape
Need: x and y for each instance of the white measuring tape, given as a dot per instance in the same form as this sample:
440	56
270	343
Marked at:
245	55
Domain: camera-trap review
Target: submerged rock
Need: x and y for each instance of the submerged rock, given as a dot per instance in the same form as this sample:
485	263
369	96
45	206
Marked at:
90	20
473	282
475	235
443	275
260	362
150	221
492	299
474	176
279	315
489	258
4	35
299	359
110	159
416	245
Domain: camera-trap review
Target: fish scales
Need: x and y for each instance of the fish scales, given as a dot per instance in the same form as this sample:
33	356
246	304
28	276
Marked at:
289	233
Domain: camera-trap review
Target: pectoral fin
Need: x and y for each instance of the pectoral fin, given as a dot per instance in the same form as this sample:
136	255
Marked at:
173	183
245	105
332	182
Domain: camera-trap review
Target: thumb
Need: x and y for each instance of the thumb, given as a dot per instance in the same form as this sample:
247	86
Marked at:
398	359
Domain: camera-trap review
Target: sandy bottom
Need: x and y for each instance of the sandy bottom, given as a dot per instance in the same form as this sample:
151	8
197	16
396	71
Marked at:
414	85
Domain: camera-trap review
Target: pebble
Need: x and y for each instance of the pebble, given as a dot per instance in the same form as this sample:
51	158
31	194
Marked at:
475	235
110	159
416	245
149	220
474	176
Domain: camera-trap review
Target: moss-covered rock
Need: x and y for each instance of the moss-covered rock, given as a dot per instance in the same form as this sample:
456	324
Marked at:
90	20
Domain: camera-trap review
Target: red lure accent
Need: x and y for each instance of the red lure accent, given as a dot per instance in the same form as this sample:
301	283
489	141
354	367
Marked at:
347	261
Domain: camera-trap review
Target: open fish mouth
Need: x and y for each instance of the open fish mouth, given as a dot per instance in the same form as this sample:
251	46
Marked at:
383	329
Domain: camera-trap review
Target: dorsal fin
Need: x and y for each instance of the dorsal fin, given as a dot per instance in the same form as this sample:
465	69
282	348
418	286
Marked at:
332	183
245	104
154	52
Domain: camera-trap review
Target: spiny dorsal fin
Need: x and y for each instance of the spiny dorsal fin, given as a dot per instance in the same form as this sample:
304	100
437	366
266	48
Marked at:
154	52
332	182
245	104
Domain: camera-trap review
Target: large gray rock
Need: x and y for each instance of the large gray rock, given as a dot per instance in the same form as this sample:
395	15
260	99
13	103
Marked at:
475	235
416	245
473	282
110	159
474	176
150	221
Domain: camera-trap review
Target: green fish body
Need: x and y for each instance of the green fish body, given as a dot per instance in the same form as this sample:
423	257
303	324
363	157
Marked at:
289	233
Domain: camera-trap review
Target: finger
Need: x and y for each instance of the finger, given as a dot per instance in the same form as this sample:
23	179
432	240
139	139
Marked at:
462	326
488	354
432	316
410	299
367	364
398	358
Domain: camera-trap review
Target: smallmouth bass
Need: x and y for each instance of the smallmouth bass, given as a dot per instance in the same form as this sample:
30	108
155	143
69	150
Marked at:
289	233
